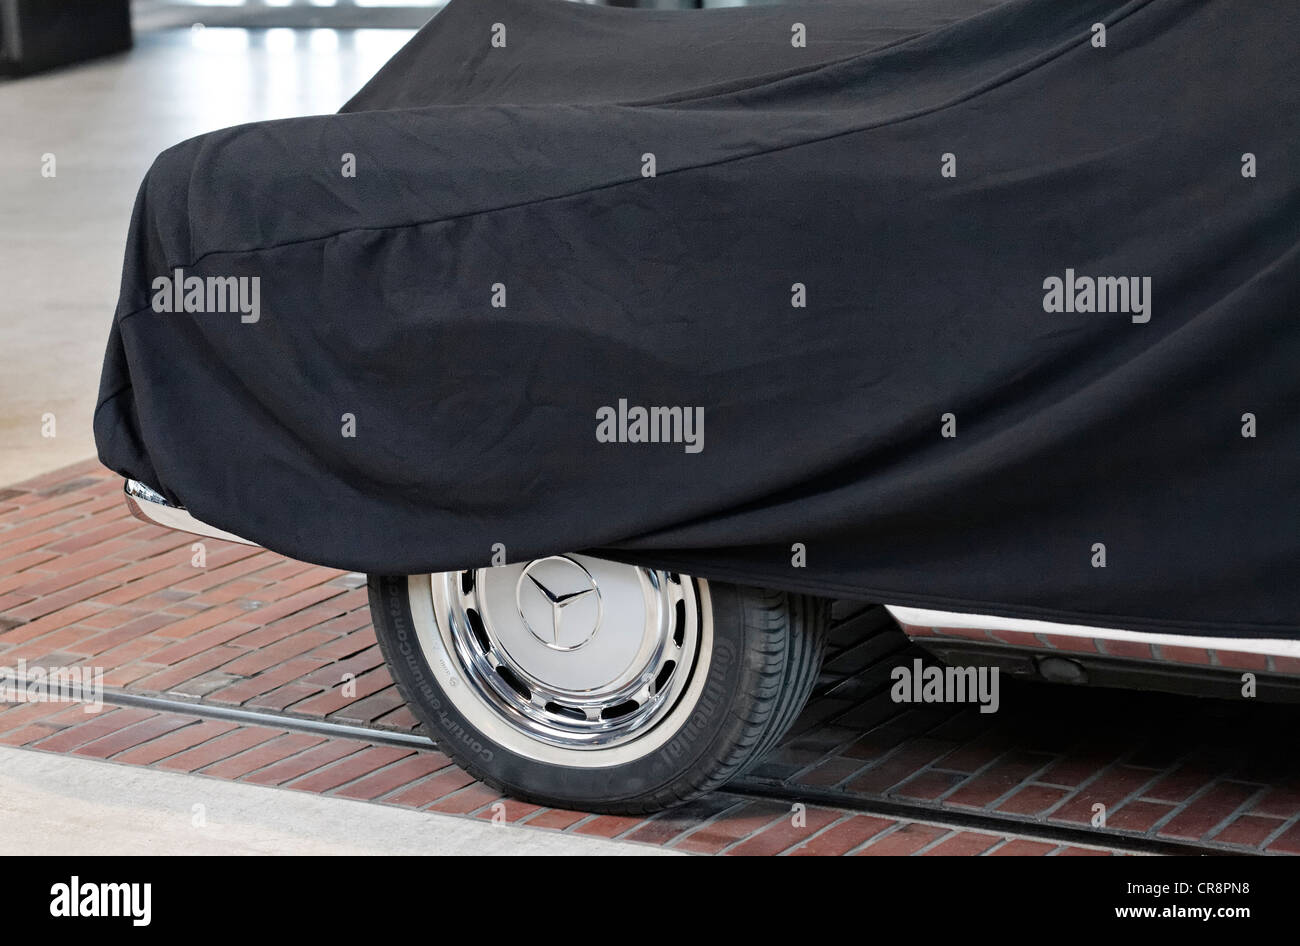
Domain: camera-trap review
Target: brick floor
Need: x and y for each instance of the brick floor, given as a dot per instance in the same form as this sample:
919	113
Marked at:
1160	766
83	584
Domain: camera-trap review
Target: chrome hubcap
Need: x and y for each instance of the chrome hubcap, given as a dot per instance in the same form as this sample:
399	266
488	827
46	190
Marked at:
559	602
573	651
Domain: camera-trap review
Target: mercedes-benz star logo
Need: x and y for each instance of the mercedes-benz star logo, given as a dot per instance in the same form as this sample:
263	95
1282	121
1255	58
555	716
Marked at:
559	602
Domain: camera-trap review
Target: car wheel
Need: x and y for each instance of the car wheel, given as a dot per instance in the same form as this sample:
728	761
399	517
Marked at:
571	681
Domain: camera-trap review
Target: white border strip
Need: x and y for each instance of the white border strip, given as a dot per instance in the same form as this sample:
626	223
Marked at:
924	618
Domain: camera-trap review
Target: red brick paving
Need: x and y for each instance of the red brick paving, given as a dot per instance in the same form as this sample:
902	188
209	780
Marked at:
350	769
1021	848
79	590
300	763
509	810
555	818
176	742
786	833
464	801
264	754
129	737
907	839
845	836
1033	799
963	844
214	750
1249	830
1199	818
1164	767
393	777
1288	843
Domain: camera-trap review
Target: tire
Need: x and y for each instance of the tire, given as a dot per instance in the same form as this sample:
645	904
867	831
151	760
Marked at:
521	675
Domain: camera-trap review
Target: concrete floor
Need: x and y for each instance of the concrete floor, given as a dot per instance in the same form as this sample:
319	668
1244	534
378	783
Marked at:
341	14
62	237
64	805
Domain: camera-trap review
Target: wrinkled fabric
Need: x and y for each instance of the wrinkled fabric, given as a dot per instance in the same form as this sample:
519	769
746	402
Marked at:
928	428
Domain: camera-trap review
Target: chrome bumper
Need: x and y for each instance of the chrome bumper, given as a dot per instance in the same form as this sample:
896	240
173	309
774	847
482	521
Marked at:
148	505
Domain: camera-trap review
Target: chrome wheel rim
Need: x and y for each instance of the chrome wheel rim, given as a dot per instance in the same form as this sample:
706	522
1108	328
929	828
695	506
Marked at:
572	651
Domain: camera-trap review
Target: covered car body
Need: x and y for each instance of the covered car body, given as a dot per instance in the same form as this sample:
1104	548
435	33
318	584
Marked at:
862	260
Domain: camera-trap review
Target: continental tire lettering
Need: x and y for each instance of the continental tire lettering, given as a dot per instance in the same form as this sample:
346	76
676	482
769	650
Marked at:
419	668
422	672
713	697
453	728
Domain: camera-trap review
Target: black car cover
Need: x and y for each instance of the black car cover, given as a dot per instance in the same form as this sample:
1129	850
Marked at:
978	306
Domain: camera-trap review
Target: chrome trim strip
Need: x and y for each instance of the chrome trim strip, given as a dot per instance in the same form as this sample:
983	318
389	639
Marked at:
149	505
921	617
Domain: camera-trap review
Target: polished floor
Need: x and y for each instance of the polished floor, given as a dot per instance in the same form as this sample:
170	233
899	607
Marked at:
337	14
62	236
